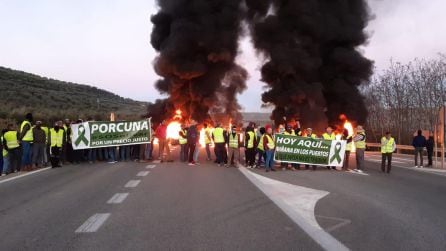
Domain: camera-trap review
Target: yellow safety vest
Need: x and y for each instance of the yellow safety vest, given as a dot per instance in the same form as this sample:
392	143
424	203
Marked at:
271	144
56	137
292	133
313	136
361	144
4	152
388	147
218	135
233	140
182	140
45	129
11	139
29	134
251	139
327	136
260	145
348	147
207	131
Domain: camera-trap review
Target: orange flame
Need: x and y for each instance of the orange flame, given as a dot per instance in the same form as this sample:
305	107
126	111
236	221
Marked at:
173	130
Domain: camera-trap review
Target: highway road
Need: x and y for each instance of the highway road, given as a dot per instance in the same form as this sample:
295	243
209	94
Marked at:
173	206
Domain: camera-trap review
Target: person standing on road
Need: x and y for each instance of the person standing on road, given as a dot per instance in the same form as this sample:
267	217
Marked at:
182	140
26	141
329	135
234	146
419	142
269	145
360	144
12	145
67	149
192	140
56	141
4	158
250	142
218	136
430	143
348	148
163	142
207	141
388	146
39	145
260	149
309	134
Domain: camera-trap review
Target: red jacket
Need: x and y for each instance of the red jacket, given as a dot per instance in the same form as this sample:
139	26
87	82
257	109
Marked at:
161	132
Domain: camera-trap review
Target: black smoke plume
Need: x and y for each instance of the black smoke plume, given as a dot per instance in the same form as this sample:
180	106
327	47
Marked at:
314	67
197	41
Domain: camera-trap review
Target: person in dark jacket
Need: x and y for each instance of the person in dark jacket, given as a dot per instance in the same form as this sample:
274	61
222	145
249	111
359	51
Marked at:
39	145
419	142
430	148
192	140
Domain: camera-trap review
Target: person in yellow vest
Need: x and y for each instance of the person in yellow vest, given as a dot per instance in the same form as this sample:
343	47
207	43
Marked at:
329	135
388	146
309	134
269	145
250	143
4	161
11	144
348	148
26	141
260	149
218	136
56	140
47	150
67	149
360	144
288	131
182	140
234	146
207	140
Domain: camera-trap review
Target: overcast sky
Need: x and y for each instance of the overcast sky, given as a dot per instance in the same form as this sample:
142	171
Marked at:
106	43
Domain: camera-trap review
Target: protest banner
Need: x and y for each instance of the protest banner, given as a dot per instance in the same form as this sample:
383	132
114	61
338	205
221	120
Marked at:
96	134
309	151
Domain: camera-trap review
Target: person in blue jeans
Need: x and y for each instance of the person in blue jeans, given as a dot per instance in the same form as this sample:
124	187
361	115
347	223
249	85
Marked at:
269	146
26	140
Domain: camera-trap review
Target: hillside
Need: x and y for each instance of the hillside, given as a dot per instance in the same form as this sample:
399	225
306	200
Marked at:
51	100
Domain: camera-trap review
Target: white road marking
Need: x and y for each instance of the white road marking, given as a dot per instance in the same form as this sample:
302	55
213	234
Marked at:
93	223
142	173
117	198
132	183
342	222
298	203
150	166
358	173
24	175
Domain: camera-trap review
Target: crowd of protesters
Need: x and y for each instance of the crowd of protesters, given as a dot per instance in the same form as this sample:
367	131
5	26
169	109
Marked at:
32	145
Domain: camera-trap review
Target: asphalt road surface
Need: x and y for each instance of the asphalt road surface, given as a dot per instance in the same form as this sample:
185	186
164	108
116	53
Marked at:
173	206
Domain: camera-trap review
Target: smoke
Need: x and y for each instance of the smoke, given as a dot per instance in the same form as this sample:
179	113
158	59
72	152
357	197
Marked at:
314	67
197	42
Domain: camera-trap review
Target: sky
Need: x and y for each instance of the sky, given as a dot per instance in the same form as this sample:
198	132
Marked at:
106	43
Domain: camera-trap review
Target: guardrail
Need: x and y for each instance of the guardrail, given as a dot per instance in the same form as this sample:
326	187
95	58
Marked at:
403	149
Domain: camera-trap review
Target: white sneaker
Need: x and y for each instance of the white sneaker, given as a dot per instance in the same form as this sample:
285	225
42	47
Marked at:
355	170
3	174
416	166
421	166
360	171
111	162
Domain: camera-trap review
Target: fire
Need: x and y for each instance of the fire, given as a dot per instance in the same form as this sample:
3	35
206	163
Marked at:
202	135
173	130
177	114
155	141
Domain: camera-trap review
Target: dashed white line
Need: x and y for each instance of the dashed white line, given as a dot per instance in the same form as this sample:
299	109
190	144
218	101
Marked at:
118	198
93	223
150	166
142	173
132	183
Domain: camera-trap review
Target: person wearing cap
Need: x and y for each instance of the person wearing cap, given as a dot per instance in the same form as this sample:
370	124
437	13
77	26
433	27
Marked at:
39	145
360	144
269	146
388	146
234	146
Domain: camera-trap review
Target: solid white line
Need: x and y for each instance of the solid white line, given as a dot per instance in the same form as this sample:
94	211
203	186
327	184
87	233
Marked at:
24	175
142	173
117	198
298	203
150	166
132	183
93	223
